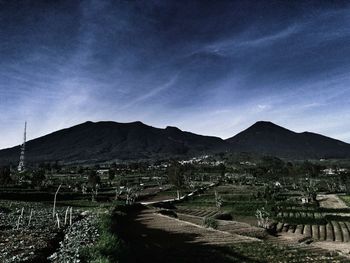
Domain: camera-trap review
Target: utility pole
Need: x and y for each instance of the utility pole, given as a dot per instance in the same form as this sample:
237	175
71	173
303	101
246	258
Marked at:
21	165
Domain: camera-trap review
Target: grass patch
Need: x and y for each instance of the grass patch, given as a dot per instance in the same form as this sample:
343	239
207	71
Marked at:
109	248
245	208
273	253
346	199
210	222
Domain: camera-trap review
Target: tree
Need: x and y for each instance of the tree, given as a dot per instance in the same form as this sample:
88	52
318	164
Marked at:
176	174
111	175
222	169
5	175
310	169
345	180
38	176
93	179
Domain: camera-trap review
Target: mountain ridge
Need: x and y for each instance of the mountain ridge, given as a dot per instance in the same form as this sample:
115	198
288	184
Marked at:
268	138
108	140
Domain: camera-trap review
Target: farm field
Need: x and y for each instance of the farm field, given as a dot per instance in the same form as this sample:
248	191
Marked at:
30	233
189	242
129	216
326	223
329	222
239	201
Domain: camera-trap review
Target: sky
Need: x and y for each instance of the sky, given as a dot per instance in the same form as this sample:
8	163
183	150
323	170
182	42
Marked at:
209	67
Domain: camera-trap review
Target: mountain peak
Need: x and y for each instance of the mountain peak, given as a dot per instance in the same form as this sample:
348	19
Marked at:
108	140
266	125
138	122
265	137
172	128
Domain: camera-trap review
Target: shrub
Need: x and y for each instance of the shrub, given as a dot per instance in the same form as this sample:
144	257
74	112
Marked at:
210	222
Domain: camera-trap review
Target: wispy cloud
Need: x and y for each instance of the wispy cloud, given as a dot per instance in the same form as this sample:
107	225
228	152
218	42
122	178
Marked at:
151	93
238	42
212	74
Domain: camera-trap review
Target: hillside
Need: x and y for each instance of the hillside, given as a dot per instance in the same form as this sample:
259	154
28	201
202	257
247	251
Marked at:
271	139
101	141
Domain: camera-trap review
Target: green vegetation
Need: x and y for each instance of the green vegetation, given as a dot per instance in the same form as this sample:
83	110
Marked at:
109	248
346	199
87	204
5	175
247	208
210	222
273	253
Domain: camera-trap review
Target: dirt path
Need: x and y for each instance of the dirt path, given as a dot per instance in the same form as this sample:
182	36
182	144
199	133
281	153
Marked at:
158	238
331	201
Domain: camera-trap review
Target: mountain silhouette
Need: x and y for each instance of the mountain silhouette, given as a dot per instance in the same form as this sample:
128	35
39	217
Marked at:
270	139
106	141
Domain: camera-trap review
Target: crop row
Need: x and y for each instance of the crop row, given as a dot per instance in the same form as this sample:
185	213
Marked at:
333	231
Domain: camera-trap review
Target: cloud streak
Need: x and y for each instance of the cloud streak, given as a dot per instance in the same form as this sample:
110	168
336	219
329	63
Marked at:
208	68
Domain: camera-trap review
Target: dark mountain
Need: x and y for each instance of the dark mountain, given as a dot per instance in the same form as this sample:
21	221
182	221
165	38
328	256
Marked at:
271	139
103	141
111	140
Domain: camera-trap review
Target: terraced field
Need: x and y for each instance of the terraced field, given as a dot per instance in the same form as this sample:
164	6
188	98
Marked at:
201	212
333	231
317	223
166	239
196	216
202	235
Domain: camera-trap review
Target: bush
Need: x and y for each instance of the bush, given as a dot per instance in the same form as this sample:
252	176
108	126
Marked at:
210	222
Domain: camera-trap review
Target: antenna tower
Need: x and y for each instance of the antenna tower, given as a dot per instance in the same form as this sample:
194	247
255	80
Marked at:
21	166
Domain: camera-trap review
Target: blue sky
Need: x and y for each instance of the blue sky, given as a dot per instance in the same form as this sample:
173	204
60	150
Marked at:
209	67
